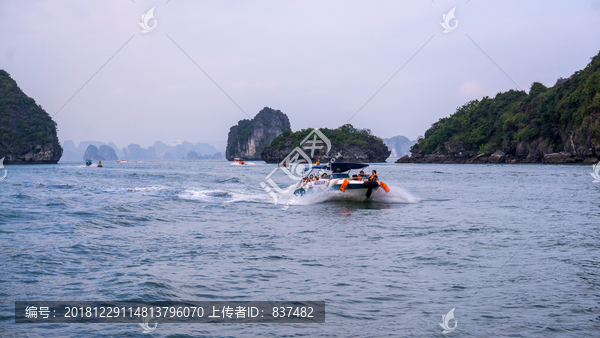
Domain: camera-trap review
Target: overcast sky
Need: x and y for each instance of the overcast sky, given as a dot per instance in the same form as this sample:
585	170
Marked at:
317	61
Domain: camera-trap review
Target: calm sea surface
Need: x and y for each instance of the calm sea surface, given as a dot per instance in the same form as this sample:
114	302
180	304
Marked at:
514	248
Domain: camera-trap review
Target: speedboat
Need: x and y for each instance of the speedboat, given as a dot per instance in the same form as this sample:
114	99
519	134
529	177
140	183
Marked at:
238	161
122	161
339	176
88	163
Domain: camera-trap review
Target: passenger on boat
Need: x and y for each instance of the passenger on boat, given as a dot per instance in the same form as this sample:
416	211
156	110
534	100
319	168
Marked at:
362	175
374	177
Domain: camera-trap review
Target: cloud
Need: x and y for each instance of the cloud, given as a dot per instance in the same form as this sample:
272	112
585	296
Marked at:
120	91
471	88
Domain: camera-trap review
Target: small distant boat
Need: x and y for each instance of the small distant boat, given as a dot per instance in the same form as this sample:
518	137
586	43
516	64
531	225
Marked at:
122	161
88	162
239	161
99	164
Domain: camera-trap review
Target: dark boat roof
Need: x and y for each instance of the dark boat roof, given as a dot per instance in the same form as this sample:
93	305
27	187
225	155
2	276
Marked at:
345	166
340	166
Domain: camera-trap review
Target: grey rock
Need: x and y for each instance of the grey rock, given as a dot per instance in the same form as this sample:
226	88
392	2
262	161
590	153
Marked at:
497	157
92	153
562	157
248	138
398	145
107	153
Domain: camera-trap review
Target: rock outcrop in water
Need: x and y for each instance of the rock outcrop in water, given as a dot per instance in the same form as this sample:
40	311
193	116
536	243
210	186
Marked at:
104	153
248	138
27	132
183	148
135	152
108	153
177	150
353	145
398	145
76	153
560	124
91	153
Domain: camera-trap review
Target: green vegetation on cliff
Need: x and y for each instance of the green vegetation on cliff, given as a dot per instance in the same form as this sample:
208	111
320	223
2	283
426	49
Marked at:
569	112
26	130
352	145
346	134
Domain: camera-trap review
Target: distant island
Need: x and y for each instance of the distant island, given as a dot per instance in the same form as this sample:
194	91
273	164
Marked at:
269	137
94	150
248	138
104	153
27	132
354	145
560	124
398	145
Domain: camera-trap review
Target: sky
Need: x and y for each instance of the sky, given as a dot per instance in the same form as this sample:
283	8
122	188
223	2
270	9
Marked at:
383	65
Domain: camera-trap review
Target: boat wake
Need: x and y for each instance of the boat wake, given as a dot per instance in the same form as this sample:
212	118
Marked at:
397	195
223	196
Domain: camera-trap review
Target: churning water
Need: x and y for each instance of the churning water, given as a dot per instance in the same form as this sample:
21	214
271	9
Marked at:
514	248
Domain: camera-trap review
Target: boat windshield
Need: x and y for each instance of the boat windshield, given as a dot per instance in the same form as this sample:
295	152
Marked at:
342	170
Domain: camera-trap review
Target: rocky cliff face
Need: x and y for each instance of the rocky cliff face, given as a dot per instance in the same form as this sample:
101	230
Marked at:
347	145
27	132
249	137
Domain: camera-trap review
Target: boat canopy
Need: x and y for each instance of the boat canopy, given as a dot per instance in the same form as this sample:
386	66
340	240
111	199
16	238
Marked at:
345	166
315	167
339	166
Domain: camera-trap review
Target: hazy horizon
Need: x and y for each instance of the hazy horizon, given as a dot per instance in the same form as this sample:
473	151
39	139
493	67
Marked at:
318	62
121	146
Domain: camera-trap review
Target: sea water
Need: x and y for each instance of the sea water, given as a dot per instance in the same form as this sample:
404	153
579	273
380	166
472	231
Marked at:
513	248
